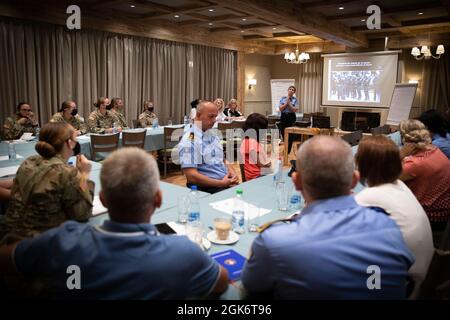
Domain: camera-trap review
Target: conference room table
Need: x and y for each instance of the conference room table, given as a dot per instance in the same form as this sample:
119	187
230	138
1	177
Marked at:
154	140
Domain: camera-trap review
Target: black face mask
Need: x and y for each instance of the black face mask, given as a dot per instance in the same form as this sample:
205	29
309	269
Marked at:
151	109
77	149
74	112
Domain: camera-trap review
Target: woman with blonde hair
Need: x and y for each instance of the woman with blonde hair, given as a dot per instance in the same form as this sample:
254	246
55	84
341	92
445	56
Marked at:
47	190
426	171
232	110
220	108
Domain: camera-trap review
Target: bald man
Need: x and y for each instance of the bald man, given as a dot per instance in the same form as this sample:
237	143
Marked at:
335	248
201	153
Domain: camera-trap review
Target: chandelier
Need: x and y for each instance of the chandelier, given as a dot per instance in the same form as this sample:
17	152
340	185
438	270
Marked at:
295	57
425	52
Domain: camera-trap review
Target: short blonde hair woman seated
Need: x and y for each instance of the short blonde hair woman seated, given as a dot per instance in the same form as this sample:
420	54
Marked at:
426	171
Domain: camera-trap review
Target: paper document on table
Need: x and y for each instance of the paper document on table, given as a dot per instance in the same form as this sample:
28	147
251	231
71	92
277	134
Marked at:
180	229
84	138
8	171
250	212
98	207
3	158
27	136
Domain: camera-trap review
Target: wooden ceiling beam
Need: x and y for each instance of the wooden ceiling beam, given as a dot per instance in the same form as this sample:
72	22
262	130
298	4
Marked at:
324	46
391	11
327	3
292	17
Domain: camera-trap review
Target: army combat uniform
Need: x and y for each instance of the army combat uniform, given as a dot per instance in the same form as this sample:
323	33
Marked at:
77	122
45	193
119	119
146	119
14	130
98	123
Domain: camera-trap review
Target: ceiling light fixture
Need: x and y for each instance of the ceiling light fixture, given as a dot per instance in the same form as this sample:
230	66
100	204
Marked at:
211	10
244	19
341	8
420	13
132	6
296	58
425	52
176	16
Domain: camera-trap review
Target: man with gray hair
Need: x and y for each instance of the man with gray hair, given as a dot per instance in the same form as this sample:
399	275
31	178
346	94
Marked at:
335	248
126	257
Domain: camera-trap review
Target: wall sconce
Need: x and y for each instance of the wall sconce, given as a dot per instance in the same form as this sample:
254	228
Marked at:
251	83
414	81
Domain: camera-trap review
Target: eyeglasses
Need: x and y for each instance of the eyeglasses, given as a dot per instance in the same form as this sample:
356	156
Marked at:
26	110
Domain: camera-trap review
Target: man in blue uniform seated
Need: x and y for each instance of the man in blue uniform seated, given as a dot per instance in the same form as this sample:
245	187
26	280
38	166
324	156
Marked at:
335	248
126	257
201	153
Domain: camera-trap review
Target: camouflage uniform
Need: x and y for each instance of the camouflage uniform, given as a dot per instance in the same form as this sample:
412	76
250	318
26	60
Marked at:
13	130
98	123
46	193
77	122
146	118
119	119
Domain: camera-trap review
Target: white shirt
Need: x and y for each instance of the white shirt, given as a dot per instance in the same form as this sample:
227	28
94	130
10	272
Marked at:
193	114
401	204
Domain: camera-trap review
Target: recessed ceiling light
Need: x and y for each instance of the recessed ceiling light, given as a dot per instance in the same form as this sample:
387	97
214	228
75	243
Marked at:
341	8
176	16
244	19
132	6
420	13
242	31
211	10
363	20
274	28
210	24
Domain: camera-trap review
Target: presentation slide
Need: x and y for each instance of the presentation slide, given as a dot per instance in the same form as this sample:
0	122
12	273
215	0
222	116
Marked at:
361	80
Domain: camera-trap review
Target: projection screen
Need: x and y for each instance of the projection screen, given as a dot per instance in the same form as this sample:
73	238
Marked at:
359	79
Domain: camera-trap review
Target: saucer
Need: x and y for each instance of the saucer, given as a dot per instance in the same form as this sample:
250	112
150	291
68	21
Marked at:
232	238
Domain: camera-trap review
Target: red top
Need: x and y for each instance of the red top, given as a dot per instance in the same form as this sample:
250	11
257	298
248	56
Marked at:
250	148
431	182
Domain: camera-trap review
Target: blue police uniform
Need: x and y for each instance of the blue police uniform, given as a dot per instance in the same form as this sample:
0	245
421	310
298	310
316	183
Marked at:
287	119
118	261
325	253
442	143
283	100
203	151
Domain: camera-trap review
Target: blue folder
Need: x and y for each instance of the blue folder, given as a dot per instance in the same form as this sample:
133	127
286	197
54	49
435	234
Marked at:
232	261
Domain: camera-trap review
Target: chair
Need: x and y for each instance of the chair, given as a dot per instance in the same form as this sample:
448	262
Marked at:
319	121
136	124
134	138
103	143
169	146
241	166
353	138
380	130
436	284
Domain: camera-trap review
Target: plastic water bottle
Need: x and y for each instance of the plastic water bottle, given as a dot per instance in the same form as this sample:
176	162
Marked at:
294	203
155	123
12	151
238	214
38	131
114	127
279	171
194	206
186	120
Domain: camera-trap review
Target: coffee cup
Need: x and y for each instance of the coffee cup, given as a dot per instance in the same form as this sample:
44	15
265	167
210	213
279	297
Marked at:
222	227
